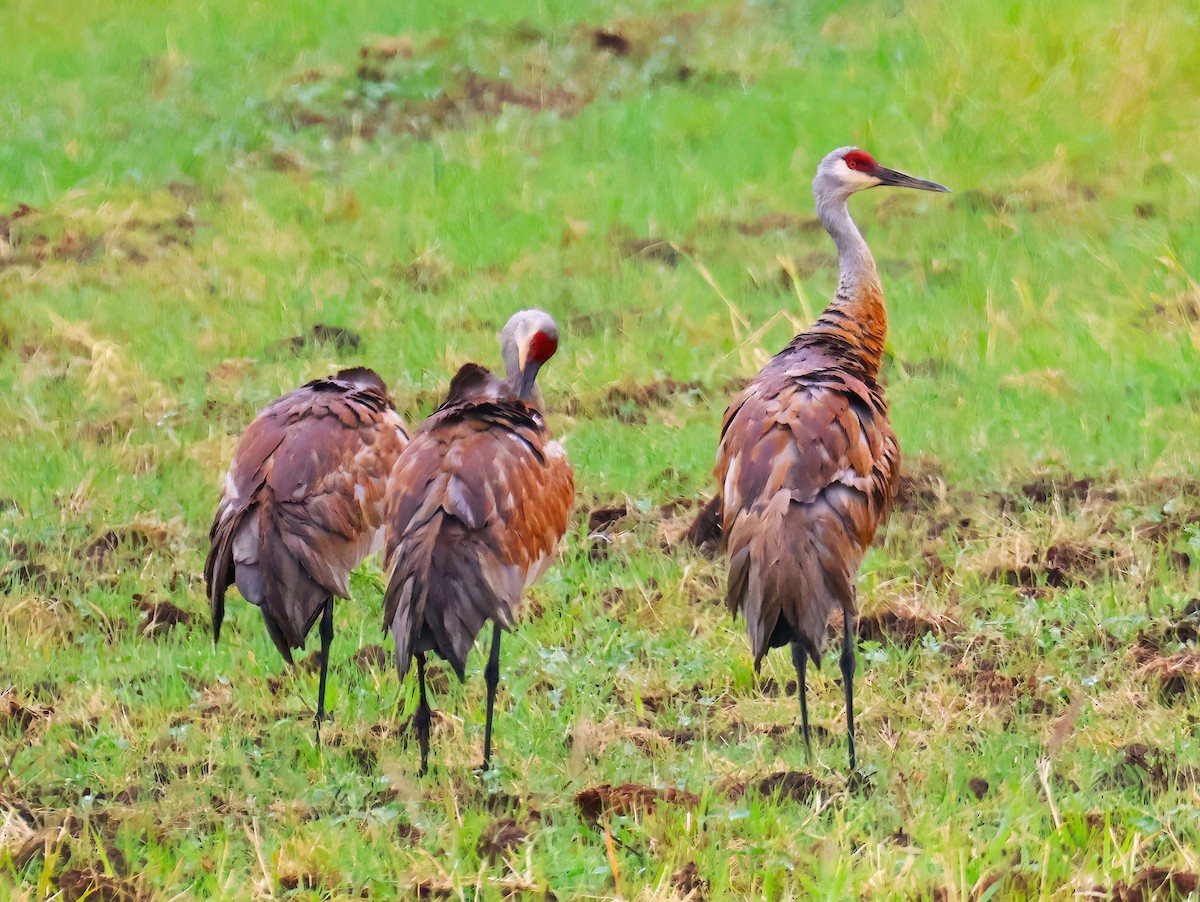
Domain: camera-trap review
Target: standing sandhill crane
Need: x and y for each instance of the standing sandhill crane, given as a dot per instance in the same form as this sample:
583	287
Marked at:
476	507
303	504
808	465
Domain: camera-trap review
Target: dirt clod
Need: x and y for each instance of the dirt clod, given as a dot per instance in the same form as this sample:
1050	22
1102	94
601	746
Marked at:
902	626
320	334
689	882
612	41
602	517
370	657
77	884
23	714
777	222
500	838
1146	766
160	617
99	553
661	250
628	799
1062	486
705	531
792	785
628	402
1153	883
979	787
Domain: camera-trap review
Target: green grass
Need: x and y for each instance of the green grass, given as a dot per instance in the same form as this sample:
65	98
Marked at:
209	180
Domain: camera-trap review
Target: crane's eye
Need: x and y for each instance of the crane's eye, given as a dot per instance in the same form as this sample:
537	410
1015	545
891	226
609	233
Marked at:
851	162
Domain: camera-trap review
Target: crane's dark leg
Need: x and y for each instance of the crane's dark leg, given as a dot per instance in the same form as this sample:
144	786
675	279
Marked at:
491	676
849	638
424	717
800	660
326	639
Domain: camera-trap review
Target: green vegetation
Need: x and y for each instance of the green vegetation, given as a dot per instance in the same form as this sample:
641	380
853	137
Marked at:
186	187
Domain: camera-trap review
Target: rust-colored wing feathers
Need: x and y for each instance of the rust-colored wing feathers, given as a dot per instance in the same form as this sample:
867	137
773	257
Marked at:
303	501
807	469
478	504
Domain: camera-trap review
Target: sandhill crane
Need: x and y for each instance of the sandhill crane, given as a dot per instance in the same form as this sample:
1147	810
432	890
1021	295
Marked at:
302	505
477	504
808	465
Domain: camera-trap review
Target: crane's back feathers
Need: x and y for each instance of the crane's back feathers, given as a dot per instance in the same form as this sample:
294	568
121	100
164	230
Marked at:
476	507
807	470
303	500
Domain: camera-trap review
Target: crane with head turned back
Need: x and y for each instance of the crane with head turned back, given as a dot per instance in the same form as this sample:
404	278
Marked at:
302	505
477	504
808	465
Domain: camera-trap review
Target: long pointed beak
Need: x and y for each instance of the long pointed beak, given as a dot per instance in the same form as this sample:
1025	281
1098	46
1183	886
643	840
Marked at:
528	381
901	180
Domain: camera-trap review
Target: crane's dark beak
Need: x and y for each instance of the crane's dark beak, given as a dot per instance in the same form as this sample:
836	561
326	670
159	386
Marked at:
529	380
900	180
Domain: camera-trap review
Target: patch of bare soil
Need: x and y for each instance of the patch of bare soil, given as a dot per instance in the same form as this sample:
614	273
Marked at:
23	715
1061	566
77	884
771	688
603	517
403	86
467	97
1183	628
31	237
1176	673
689	882
660	250
979	787
101	549
1167	529
500	838
705	531
775	222
628	402
370	657
991	688
793	785
341	339
628	799
1162	650
1057	486
902	625
1179	310
1153	883
428	274
922	486
160	617
1145	766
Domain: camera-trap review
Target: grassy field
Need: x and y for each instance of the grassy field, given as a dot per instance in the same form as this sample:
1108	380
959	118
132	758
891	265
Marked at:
204	205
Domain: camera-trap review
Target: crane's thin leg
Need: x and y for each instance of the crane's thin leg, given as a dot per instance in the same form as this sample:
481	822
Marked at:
326	639
847	661
800	660
424	717
491	676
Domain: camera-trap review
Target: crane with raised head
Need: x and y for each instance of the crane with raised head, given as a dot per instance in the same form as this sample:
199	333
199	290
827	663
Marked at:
808	465
477	505
302	505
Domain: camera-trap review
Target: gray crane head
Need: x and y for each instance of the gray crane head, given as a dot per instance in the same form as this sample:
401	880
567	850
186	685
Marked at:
849	169
528	340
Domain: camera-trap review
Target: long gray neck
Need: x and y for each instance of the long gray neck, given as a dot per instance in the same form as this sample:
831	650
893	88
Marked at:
854	325
856	266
